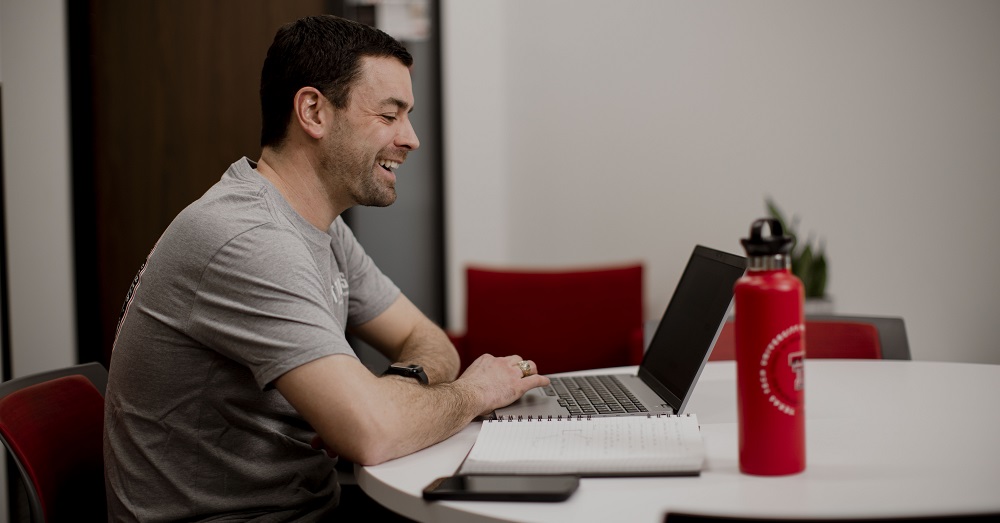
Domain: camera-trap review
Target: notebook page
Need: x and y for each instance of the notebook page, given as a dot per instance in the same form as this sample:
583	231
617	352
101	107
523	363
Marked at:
597	446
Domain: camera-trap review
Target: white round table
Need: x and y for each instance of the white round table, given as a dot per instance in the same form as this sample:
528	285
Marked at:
883	438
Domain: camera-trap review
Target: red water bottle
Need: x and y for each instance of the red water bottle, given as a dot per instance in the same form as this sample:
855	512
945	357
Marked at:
770	352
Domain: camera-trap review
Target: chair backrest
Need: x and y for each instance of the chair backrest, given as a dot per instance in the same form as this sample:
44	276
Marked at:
52	423
838	336
563	320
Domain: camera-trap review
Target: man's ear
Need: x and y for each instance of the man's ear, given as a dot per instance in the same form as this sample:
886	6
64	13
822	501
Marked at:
308	111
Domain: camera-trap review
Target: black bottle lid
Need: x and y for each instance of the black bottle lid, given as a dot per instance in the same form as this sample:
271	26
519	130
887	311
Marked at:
778	243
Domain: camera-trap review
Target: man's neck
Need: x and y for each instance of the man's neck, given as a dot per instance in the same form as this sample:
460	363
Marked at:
299	182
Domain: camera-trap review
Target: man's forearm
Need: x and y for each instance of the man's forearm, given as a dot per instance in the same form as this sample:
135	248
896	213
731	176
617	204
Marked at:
369	420
419	416
429	347
404	335
396	417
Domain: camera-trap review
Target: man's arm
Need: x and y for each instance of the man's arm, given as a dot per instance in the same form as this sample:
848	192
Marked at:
404	335
369	420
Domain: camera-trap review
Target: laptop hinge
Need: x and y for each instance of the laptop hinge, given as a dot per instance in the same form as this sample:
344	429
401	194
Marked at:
660	389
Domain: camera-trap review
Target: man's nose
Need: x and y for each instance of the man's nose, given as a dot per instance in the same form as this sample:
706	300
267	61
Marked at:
407	137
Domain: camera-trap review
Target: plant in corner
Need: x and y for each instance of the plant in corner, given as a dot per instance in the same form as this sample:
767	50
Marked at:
808	262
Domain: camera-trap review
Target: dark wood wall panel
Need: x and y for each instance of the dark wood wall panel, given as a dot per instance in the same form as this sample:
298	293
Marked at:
173	90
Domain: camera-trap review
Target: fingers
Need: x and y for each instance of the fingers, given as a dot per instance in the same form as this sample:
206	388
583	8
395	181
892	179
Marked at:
512	359
503	380
524	367
522	372
530	378
527	368
535	380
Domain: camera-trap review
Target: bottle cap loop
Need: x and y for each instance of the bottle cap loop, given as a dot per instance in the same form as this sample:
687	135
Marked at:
778	243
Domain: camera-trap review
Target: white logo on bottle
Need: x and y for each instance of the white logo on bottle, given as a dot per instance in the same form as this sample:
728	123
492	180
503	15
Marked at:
782	370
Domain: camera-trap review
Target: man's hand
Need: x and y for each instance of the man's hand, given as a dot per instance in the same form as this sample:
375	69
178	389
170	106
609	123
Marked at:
498	382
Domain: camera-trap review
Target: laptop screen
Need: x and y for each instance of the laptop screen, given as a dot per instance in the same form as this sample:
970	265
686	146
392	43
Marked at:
693	320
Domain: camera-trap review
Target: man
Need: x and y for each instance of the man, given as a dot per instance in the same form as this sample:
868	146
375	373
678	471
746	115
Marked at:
231	356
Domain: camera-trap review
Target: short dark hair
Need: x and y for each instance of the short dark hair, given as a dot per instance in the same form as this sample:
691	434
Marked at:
318	51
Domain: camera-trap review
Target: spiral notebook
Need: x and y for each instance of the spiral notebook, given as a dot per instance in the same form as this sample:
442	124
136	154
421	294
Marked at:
653	445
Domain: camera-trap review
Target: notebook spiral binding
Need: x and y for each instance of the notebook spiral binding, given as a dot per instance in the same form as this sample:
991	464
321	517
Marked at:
571	417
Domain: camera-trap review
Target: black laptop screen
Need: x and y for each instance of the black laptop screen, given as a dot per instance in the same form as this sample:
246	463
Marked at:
693	318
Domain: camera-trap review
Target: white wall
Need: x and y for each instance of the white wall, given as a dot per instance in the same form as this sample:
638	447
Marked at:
33	68
476	137
37	184
581	132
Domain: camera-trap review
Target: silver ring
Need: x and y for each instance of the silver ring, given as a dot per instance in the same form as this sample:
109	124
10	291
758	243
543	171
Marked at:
525	368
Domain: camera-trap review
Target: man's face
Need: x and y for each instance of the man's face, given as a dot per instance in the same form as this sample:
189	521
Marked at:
371	137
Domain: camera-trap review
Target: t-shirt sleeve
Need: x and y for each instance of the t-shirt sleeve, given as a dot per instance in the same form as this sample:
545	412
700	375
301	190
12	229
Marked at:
262	302
371	291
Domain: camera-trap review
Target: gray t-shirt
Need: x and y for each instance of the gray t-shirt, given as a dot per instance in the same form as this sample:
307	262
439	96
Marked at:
239	290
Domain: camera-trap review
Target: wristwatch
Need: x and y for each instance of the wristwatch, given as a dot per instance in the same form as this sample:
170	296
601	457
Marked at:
410	371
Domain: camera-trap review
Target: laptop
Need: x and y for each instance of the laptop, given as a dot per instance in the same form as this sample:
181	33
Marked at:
674	360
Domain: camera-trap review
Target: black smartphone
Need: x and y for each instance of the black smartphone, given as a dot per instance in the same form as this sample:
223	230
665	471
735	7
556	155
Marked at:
502	488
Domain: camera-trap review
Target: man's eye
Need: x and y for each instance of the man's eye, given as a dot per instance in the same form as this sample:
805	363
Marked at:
389	117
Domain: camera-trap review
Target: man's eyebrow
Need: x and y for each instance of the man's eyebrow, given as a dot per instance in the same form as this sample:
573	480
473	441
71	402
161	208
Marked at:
403	106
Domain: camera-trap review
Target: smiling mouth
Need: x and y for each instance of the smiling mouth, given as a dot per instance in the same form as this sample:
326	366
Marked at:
389	165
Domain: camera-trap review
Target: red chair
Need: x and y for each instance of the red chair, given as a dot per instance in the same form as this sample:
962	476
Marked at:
52	423
836	336
563	320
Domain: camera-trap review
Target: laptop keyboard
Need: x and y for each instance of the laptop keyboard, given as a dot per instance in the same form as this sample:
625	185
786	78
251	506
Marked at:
593	395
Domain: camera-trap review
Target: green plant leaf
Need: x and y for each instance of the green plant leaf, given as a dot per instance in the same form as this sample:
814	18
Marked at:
817	288
808	263
809	266
802	266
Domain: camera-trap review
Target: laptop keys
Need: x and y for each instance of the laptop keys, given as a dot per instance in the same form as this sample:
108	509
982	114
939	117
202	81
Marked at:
594	395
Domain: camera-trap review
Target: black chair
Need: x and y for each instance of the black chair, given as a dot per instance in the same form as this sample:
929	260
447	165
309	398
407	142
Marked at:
52	423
